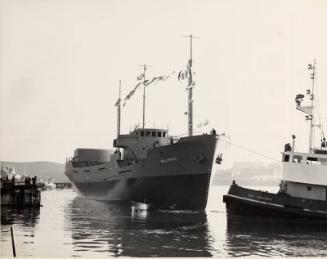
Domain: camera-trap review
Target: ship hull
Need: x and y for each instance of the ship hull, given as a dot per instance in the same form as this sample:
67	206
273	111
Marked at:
163	192
253	203
175	176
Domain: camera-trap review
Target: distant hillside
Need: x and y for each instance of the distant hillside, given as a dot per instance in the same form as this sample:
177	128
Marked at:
43	170
250	174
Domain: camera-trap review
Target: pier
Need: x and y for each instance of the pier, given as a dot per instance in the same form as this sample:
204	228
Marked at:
19	194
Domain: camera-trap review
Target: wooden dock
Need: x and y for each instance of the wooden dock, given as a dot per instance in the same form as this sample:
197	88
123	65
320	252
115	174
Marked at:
20	194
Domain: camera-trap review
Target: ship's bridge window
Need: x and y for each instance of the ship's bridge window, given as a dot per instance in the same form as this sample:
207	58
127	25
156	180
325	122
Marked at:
153	133
159	134
148	133
164	134
142	133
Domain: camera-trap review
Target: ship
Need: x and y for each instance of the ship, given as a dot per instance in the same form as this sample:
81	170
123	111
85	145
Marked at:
302	191
148	165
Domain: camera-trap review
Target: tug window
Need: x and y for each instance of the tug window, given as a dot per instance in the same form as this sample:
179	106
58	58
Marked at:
164	134
297	159
159	134
286	158
309	188
142	133
314	161
153	133
148	133
312	158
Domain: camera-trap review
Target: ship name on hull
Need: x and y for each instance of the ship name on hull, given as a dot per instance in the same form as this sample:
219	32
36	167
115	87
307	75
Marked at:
168	160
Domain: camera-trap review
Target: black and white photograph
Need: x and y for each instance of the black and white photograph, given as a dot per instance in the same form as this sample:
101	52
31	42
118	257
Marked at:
161	128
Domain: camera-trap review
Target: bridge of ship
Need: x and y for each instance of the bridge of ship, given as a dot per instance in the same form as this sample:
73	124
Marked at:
136	144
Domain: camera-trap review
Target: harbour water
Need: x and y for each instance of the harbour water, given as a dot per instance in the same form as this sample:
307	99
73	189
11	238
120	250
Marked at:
68	225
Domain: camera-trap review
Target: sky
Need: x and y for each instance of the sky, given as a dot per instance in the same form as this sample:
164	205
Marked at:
61	62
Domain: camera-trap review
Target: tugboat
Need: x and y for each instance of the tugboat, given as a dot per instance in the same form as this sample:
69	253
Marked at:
148	164
303	188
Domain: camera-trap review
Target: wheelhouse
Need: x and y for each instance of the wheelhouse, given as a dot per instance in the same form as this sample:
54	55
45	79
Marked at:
305	158
136	144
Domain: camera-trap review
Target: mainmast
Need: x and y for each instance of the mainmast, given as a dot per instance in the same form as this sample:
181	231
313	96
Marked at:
309	110
312	98
190	90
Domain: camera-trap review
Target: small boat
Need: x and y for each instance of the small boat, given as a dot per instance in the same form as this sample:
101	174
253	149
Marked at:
303	188
139	206
50	184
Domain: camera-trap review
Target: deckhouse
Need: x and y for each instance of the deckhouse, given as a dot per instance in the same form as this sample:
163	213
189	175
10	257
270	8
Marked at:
136	144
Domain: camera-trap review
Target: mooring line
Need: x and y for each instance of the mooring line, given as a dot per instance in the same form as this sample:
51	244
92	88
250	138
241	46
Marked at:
250	151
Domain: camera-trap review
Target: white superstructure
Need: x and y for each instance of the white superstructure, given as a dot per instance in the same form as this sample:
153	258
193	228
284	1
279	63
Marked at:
305	174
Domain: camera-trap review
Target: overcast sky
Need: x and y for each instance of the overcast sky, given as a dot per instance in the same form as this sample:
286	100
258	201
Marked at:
61	61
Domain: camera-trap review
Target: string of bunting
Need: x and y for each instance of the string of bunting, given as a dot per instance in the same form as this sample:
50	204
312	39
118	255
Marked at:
182	75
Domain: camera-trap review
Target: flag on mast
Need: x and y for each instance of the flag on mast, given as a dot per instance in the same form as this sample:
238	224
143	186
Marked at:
187	74
140	77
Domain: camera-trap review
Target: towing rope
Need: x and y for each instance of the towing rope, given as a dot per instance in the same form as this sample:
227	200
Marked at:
250	151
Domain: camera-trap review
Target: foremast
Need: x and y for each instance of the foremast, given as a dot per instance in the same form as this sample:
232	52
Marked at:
144	85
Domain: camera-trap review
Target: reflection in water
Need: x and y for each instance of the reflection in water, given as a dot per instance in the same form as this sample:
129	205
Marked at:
23	218
139	215
26	216
69	226
114	229
258	236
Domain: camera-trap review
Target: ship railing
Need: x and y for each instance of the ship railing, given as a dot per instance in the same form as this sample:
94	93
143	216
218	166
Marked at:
69	159
86	163
194	133
179	136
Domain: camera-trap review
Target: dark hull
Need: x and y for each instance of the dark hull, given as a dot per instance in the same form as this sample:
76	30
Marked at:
163	192
247	202
174	176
